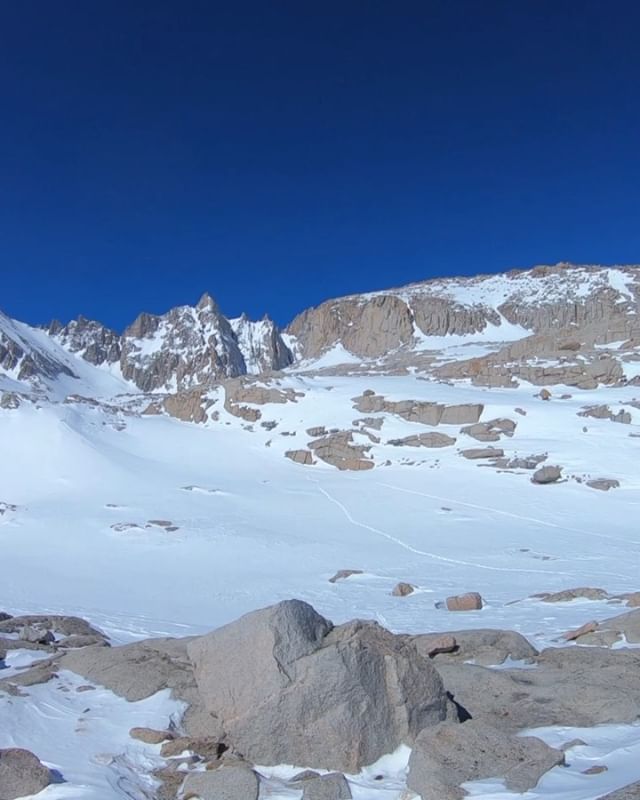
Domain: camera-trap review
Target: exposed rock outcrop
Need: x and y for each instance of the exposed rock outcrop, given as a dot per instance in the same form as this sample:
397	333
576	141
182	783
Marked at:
339	450
426	413
447	755
431	439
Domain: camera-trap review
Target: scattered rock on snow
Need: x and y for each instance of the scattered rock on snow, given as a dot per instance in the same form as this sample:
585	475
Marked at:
343	574
402	589
339	450
482	452
320	430
149	735
604	484
300	456
547	475
577	593
471	601
431	439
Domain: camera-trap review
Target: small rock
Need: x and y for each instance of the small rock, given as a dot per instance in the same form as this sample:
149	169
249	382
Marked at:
327	787
36	636
300	456
402	589
305	775
343	574
208	748
149	735
520	411
471	601
604	484
544	394
596	769
474	453
226	783
577	593
320	430
546	475
573	743
588	627
633	599
437	644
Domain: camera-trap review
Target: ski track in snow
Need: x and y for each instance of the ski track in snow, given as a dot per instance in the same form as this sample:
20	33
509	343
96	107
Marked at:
416	551
519	517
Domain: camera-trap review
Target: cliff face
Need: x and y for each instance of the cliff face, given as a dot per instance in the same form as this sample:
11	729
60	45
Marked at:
541	300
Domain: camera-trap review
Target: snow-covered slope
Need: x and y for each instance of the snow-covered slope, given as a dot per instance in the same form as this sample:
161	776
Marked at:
150	526
32	360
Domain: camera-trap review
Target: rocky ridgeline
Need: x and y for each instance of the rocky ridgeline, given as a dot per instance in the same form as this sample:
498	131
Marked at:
186	347
564	316
541	300
285	685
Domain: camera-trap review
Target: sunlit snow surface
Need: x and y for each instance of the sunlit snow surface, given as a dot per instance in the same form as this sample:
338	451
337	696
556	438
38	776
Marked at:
255	528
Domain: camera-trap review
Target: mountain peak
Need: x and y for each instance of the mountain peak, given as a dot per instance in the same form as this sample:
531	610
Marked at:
207	302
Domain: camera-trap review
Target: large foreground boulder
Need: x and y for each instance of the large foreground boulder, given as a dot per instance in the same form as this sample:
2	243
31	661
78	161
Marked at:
288	687
447	755
21	774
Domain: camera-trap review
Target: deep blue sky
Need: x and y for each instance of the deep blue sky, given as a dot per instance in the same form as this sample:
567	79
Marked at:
277	153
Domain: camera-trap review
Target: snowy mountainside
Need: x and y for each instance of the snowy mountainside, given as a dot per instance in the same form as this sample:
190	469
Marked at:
384	447
32	361
187	346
